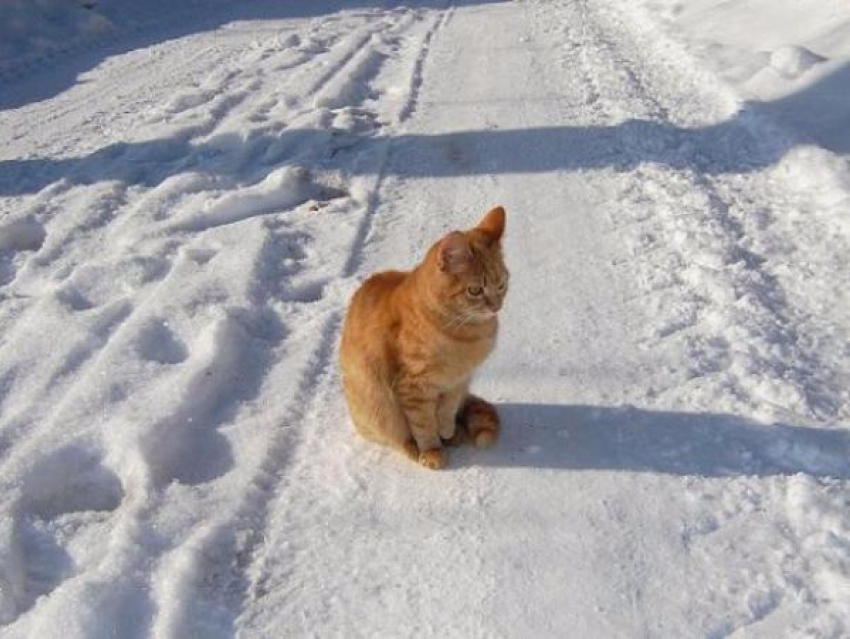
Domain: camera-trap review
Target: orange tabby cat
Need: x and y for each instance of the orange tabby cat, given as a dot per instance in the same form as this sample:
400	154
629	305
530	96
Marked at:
412	340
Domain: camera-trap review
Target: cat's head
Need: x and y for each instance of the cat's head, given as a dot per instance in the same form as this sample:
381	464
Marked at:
470	273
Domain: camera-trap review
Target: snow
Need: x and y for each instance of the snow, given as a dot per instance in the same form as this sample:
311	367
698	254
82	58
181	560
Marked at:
34	29
33	32
788	57
792	61
185	212
23	234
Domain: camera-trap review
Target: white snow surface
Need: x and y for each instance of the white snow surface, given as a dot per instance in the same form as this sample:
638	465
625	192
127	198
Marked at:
789	58
185	213
35	31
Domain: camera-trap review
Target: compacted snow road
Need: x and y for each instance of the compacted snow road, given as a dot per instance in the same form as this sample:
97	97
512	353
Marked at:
180	231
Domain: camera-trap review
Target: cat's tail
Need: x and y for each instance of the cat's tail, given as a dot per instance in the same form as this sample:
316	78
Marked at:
477	423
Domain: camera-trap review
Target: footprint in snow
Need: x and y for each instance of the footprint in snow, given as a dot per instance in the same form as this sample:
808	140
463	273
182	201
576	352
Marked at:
66	496
21	235
157	342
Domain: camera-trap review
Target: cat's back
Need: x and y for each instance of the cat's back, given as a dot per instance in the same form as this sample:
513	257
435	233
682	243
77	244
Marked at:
376	291
373	300
371	312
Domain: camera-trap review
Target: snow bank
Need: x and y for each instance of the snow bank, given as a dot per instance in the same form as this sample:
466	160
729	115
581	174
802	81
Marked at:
766	24
791	55
792	61
32	31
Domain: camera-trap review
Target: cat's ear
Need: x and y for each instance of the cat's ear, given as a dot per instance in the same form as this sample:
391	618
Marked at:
492	225
454	254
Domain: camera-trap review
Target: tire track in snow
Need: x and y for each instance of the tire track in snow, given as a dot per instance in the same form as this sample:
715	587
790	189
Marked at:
320	371
79	111
214	561
800	375
756	204
767	320
132	516
409	109
405	112
573	22
771	312
176	441
237	539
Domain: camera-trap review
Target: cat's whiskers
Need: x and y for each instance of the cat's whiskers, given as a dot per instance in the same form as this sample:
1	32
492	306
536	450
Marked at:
464	318
461	319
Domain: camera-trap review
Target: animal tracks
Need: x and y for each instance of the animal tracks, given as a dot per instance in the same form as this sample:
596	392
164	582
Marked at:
21	235
70	480
194	267
224	369
156	342
67	498
18	236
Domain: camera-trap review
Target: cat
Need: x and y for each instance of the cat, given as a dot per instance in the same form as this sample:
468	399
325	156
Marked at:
412	340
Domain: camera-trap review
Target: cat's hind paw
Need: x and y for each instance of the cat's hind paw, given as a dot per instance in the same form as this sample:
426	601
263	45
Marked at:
486	438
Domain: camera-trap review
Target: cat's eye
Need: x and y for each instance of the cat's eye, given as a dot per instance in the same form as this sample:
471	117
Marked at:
474	291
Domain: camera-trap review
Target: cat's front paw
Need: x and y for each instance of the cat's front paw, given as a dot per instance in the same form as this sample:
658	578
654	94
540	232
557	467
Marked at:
434	459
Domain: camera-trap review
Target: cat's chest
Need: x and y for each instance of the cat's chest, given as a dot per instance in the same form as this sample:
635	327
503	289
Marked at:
453	361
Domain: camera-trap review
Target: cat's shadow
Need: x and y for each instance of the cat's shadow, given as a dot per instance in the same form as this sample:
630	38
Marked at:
586	438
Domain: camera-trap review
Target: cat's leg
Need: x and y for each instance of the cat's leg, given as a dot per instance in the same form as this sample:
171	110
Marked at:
378	417
419	404
448	405
481	420
395	429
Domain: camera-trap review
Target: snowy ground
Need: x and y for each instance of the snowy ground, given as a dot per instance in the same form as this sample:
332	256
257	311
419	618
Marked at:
789	58
183	215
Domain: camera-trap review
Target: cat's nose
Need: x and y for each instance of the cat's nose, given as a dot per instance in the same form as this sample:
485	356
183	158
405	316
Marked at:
494	304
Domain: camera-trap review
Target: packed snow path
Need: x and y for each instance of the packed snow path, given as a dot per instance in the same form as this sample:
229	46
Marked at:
180	231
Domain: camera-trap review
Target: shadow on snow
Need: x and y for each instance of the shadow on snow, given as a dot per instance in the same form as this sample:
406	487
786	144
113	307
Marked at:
549	436
727	147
